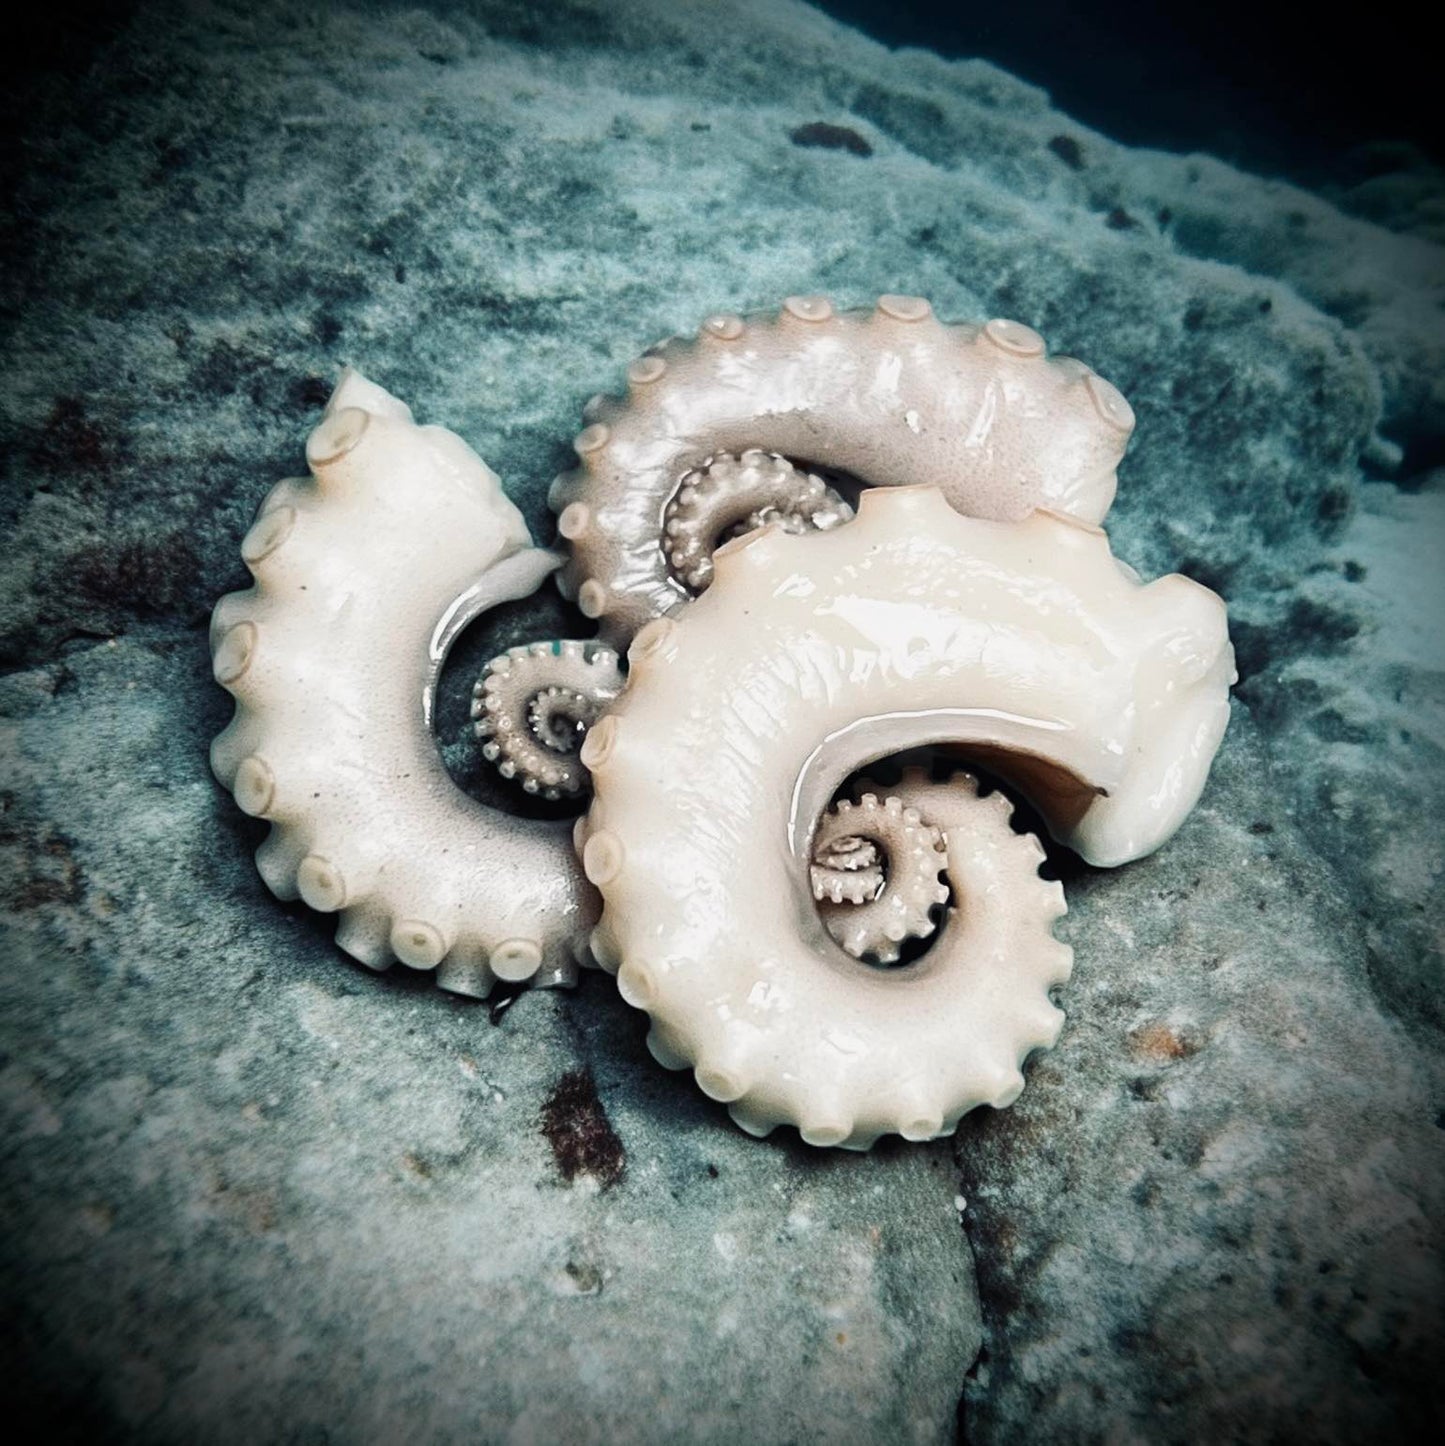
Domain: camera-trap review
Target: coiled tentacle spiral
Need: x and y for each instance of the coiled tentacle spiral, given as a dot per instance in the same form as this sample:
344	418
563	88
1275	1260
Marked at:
1022	644
533	707
727	496
910	857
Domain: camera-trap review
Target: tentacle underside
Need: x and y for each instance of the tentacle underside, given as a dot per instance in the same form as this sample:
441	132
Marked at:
533	706
888	397
728	496
363	573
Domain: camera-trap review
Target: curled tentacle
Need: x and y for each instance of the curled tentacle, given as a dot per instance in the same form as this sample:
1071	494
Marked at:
908	888
727	496
886	397
534	705
365	574
1021	644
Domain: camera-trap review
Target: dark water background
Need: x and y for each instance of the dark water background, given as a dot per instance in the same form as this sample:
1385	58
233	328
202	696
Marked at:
1304	92
1313	94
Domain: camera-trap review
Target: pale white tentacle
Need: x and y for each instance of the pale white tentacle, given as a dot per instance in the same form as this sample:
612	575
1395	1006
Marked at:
1023	643
533	705
886	397
875	924
365	572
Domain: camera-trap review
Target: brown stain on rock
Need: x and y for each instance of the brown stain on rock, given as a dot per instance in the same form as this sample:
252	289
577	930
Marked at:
576	1126
1164	1043
143	575
73	441
37	867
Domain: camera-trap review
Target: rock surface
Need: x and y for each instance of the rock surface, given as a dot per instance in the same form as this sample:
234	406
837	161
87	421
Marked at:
251	1191
254	1193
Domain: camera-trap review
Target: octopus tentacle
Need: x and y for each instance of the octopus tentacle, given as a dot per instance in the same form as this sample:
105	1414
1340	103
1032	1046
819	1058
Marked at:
908	888
533	706
847	869
365	573
1021	644
728	495
890	396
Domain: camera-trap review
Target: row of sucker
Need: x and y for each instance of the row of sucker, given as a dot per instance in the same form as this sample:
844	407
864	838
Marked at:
532	708
729	495
992	880
886	397
338	755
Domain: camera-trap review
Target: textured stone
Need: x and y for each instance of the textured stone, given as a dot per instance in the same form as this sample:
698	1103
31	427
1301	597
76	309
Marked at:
253	1192
250	1191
